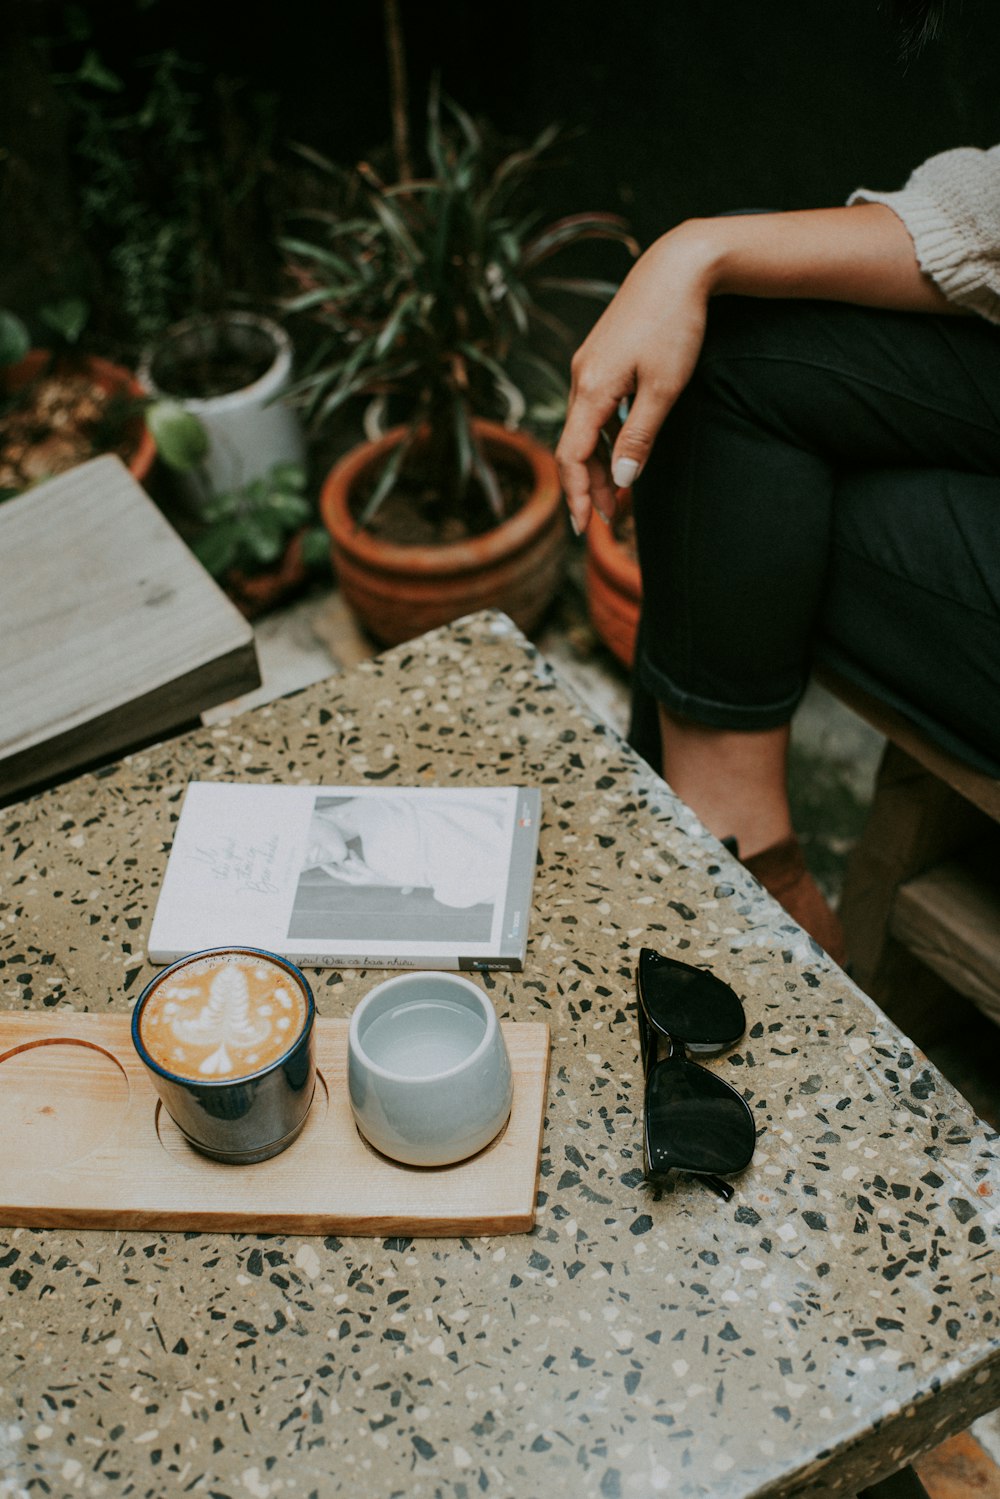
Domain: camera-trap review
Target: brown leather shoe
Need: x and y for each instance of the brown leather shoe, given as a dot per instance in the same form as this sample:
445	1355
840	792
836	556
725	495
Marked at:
782	871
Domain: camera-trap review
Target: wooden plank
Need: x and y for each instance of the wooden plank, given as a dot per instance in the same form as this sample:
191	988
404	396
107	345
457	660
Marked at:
981	790
96	1150
915	821
111	631
949	918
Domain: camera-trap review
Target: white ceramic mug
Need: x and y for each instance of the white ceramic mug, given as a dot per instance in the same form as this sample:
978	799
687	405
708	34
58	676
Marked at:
427	1069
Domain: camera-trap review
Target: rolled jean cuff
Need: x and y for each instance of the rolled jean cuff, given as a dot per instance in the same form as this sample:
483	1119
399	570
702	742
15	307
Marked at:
708	711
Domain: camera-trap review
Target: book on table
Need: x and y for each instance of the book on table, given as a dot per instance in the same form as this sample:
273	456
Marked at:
352	876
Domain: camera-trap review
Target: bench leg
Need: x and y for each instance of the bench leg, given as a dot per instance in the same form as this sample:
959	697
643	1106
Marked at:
915	821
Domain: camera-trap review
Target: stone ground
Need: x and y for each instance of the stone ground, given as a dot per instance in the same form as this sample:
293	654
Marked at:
833	763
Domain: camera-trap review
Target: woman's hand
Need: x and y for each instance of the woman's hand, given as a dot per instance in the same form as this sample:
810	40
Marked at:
647	342
644	346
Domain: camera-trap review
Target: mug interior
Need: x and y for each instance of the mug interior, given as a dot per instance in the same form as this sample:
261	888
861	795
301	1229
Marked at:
427	1027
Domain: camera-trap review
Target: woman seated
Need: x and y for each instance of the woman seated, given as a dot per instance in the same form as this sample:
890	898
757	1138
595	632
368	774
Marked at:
823	392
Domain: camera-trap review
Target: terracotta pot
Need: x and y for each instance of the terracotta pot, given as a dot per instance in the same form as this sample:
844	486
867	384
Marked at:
107	376
614	590
255	594
398	591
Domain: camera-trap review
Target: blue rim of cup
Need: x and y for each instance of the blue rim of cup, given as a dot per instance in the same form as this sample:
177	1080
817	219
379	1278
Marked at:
356	1045
244	1077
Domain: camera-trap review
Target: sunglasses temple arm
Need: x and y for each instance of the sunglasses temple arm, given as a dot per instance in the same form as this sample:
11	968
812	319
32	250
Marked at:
718	1186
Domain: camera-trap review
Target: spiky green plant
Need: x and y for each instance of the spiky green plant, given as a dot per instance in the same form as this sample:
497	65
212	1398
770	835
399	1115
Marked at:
431	295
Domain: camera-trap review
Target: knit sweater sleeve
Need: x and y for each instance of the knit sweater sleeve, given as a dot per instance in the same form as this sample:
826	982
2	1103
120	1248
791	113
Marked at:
951	208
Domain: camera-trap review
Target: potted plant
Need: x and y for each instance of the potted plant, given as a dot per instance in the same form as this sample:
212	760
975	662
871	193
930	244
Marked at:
259	538
260	541
427	298
61	406
231	371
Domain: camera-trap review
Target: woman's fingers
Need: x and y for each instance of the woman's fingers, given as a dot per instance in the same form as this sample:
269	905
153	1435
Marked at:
634	443
583	466
644	347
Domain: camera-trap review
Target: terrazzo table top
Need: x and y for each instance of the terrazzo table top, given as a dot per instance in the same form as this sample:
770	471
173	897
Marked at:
835	1318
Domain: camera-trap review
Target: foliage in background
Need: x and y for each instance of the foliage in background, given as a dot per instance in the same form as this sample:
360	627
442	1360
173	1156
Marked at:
59	328
151	237
432	301
15	340
172	176
248	528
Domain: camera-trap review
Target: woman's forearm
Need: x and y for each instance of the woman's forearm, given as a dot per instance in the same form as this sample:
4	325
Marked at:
861	254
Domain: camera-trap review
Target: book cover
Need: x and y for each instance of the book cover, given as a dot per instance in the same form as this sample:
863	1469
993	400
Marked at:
352	876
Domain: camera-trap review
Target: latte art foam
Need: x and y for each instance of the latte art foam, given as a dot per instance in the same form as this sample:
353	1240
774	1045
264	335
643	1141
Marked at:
222	1017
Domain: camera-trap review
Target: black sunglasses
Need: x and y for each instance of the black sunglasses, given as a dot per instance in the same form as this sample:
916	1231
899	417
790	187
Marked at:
694	1121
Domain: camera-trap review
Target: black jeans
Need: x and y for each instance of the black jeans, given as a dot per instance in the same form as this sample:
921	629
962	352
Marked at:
827	487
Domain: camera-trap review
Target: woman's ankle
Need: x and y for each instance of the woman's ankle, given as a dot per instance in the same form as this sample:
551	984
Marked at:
734	781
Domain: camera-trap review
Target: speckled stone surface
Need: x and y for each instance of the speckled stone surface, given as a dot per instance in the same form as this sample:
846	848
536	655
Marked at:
838	1316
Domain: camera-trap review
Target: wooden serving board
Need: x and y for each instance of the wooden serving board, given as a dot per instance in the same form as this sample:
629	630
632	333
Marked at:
88	1145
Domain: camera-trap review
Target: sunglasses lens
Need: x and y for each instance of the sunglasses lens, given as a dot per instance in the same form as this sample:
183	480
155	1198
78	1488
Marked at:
695	1121
689	1004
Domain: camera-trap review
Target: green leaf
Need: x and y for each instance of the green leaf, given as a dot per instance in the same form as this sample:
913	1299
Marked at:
216	549
473	138
389	333
263	538
509	393
287	476
68	318
575	228
181	439
436	144
388	476
321	254
15	341
486	474
323	163
465	442
315	549
579	286
396	228
315	545
319	295
92	70
290	510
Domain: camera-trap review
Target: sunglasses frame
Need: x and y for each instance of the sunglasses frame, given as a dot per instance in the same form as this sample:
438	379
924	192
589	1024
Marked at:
677	1055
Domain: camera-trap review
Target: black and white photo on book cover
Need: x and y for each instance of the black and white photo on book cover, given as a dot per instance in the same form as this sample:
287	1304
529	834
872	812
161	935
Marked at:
381	876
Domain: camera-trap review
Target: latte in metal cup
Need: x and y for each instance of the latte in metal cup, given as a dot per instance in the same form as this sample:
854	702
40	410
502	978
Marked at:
227	1038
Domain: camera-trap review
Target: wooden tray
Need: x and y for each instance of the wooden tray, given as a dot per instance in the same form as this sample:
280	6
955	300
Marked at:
88	1145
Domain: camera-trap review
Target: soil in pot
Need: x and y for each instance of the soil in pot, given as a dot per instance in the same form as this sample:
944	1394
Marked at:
54	416
212	361
623	530
415	513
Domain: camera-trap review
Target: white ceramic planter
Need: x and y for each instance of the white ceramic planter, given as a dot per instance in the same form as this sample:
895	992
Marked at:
249	429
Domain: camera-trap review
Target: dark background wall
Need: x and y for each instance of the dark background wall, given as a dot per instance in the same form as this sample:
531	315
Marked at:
682	107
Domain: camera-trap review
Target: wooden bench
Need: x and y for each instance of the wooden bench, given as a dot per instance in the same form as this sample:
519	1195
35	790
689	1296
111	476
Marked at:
112	634
921	898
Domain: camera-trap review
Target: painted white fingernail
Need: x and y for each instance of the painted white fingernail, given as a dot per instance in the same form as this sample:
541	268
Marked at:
624	471
574	524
